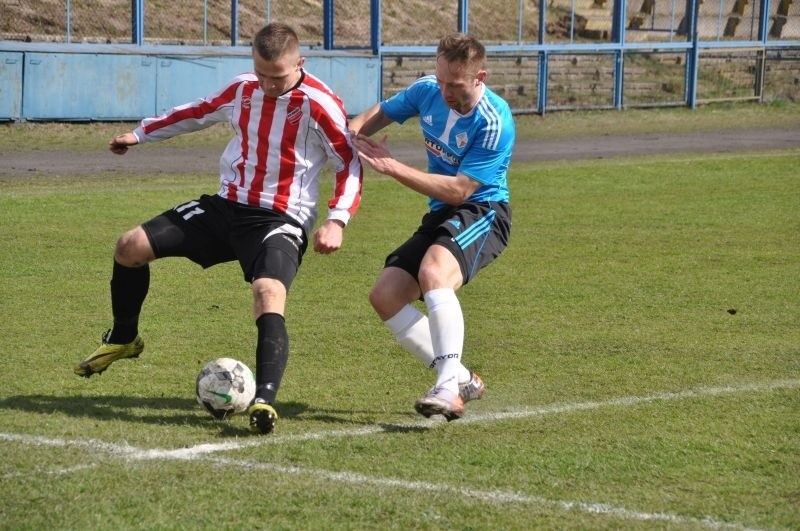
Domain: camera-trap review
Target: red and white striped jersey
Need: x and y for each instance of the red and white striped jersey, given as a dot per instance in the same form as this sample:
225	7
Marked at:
280	146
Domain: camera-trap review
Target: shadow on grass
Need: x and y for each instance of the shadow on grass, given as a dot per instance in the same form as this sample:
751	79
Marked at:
161	410
173	411
302	411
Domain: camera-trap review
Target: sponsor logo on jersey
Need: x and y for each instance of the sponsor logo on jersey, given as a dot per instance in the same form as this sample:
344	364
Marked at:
428	119
455	223
438	150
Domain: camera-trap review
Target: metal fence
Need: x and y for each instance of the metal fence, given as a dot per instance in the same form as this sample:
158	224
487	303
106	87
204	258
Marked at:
347	24
546	55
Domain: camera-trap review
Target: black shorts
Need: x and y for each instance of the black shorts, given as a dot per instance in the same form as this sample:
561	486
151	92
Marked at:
212	230
476	234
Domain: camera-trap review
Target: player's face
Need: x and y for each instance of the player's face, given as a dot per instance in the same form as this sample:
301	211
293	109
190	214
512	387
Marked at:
460	88
278	76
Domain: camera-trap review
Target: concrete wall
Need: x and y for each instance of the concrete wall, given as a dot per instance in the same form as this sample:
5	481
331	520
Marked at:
109	83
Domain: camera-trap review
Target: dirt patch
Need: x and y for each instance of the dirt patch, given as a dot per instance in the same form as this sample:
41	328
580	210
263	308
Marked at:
162	158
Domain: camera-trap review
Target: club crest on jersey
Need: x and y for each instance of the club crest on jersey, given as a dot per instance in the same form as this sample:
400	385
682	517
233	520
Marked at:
294	115
461	139
245	102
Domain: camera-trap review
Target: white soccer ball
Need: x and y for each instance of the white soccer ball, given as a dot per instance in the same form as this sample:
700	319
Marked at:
225	387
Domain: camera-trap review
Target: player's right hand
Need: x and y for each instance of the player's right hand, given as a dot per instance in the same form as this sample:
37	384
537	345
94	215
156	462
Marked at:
119	144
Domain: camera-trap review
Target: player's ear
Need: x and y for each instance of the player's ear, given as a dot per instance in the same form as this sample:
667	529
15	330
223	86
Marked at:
481	75
301	61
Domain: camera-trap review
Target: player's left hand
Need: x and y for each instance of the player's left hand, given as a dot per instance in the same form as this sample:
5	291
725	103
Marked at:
328	238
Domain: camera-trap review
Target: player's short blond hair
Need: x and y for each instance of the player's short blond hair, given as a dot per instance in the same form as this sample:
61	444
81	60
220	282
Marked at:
275	40
463	49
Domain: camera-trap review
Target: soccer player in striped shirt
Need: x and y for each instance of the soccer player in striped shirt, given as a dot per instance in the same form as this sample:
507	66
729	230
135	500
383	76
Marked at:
469	135
287	126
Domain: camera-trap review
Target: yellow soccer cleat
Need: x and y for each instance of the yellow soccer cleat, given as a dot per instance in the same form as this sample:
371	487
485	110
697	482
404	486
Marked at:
106	354
262	417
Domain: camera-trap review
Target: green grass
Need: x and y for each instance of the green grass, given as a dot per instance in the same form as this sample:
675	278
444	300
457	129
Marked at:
615	292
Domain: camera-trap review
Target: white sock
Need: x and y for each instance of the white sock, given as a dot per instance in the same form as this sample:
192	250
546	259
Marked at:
410	328
447	336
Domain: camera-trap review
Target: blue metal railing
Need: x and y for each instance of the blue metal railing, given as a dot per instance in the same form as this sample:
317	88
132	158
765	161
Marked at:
683	39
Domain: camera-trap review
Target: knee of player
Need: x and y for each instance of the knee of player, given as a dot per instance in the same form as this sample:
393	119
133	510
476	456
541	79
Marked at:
387	302
376	298
133	249
430	276
268	292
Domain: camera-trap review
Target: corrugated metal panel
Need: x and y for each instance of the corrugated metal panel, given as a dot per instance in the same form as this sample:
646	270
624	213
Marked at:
119	86
10	85
88	86
185	79
354	79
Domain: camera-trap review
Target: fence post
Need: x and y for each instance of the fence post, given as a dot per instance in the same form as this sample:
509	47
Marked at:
375	26
693	55
761	61
541	91
463	16
618	37
137	22
375	31
327	24
234	22
69	22
763	21
541	96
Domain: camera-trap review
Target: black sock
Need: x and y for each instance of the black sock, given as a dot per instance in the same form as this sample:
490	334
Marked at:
272	353
129	286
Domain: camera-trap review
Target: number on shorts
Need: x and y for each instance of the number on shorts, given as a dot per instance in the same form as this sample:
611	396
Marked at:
194	211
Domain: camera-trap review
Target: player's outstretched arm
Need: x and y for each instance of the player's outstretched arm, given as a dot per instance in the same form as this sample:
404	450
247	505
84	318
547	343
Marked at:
370	121
119	144
450	189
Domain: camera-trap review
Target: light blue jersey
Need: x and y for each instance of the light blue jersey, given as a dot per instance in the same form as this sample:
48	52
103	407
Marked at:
477	144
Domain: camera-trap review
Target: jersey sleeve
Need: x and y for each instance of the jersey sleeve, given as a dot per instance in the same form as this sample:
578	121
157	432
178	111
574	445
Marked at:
192	116
331	122
405	103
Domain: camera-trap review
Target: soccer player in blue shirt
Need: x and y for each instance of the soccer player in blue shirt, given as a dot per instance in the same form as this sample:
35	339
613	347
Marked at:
469	137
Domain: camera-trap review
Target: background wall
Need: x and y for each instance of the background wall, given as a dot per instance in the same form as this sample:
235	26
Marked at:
56	83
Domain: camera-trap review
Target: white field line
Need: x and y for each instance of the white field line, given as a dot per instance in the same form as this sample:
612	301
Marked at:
48	471
490	496
188	453
237	444
200	451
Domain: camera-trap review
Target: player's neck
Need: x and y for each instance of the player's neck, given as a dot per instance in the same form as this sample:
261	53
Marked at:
466	108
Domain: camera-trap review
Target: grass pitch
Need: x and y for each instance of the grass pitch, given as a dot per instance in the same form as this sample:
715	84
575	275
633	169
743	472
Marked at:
640	340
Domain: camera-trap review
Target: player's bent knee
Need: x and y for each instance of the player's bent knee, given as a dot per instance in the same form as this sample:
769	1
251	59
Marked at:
376	299
269	295
133	249
385	302
430	277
